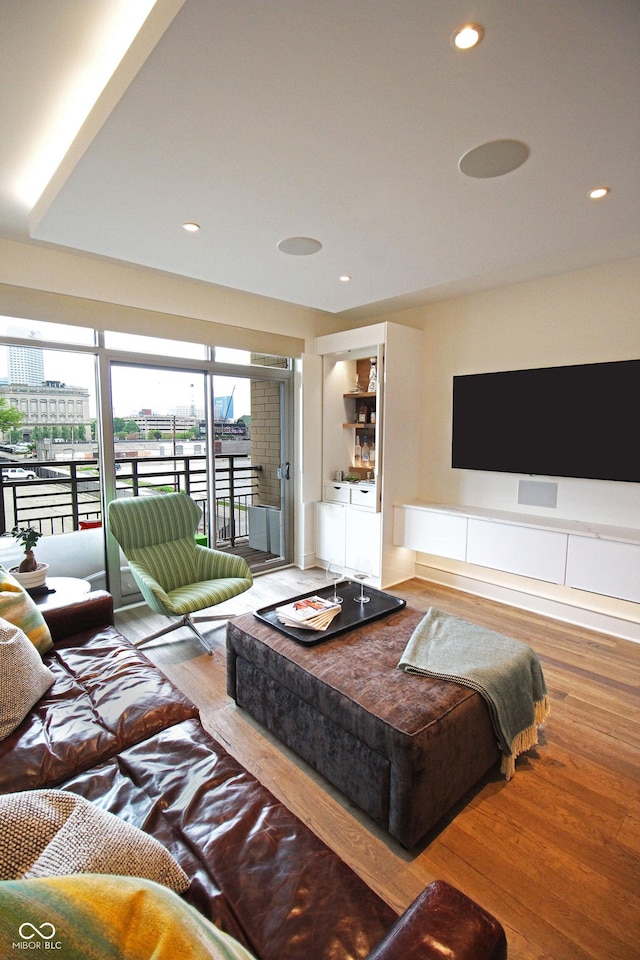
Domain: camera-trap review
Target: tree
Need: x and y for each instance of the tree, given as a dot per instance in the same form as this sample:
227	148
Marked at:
81	433
9	416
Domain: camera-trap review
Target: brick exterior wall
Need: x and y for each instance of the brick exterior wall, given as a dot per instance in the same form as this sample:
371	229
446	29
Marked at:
265	432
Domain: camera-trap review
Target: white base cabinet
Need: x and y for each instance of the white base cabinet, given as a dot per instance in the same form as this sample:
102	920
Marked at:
331	532
345	534
596	558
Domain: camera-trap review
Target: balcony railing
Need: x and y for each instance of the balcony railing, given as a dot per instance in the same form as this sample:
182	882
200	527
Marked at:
66	493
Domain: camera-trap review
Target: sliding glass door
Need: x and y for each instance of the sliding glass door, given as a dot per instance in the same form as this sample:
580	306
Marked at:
159	443
219	434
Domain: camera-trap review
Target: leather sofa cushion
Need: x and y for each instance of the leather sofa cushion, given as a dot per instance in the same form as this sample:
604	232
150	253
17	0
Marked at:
105	697
256	870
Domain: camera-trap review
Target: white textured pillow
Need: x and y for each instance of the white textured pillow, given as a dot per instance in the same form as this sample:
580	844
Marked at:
52	833
23	677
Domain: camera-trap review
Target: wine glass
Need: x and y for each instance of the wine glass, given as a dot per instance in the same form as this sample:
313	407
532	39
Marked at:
334	572
361	572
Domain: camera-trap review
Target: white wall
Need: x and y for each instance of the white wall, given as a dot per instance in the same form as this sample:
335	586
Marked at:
585	316
581	317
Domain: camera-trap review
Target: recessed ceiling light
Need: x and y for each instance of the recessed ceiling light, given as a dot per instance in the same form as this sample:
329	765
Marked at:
191	227
299	246
467	36
599	193
345	278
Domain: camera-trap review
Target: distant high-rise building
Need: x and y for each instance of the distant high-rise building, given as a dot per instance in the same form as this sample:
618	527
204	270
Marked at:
26	365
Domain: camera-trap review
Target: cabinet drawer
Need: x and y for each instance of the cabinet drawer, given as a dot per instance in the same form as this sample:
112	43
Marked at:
604	566
336	493
430	531
526	551
363	497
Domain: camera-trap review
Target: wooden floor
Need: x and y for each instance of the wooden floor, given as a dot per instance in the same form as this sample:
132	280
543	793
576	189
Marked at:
554	853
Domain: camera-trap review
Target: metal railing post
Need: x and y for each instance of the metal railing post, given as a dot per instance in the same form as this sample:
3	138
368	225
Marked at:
74	496
3	514
232	501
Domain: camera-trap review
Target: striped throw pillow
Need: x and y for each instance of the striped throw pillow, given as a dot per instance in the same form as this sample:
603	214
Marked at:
18	608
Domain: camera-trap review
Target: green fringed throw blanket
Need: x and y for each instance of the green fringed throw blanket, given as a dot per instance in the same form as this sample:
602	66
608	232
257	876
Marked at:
505	672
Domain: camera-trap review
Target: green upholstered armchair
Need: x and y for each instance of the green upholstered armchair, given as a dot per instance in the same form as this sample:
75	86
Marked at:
176	576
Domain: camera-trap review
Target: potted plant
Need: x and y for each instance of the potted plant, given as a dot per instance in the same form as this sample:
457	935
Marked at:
29	573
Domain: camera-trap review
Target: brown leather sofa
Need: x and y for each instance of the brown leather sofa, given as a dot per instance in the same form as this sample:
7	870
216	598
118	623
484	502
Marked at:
113	729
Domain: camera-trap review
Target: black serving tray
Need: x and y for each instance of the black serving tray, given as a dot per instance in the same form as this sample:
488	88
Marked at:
354	614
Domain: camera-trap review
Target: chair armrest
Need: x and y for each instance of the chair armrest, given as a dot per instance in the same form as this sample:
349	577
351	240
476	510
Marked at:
216	565
89	612
155	595
443	923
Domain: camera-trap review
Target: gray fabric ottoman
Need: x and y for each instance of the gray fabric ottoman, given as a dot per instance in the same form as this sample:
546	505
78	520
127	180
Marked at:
403	748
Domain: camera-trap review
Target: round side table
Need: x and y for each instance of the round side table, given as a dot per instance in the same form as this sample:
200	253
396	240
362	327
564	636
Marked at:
59	591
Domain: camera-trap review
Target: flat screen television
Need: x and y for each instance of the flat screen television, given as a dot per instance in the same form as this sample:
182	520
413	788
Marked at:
572	421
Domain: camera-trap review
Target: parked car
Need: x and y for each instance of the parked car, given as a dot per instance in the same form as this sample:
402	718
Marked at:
18	473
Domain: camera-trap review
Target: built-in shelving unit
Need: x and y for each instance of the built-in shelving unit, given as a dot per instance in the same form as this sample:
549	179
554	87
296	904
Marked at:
356	518
361	409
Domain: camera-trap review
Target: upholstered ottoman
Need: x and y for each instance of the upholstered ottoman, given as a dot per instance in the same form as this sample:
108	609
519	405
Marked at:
403	748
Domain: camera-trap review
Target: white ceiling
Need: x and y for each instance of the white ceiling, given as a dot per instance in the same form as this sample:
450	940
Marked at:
341	120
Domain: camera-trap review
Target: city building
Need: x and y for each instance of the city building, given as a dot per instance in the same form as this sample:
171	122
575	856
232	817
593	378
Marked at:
51	409
26	365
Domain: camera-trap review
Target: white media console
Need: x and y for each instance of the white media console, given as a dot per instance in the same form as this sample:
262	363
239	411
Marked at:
598	559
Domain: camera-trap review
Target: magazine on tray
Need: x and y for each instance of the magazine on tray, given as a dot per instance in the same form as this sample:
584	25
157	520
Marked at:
309	613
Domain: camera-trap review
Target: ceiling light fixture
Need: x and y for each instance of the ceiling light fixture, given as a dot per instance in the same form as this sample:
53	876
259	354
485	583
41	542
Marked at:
345	278
299	246
190	226
599	193
468	36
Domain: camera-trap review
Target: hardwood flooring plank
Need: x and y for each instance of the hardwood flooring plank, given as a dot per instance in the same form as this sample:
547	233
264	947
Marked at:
563	924
629	835
498	890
